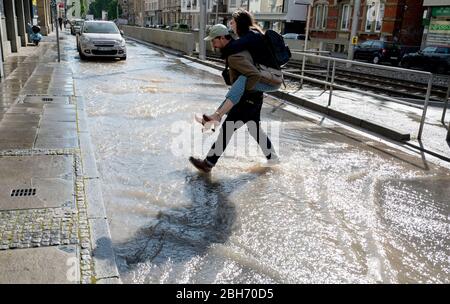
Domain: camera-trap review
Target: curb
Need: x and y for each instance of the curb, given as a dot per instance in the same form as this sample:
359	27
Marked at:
104	261
364	124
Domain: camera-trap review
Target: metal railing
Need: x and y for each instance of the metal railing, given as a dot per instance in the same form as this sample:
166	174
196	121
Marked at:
446	102
331	84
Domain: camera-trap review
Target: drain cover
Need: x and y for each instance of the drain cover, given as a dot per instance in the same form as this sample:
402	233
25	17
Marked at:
23	192
47	99
22	176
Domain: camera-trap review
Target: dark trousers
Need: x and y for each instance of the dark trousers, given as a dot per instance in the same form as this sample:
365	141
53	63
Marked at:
247	111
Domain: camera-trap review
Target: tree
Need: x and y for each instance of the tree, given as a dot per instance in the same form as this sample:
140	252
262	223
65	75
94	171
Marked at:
83	8
96	7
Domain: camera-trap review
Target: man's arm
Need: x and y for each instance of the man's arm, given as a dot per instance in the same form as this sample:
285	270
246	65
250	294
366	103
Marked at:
243	63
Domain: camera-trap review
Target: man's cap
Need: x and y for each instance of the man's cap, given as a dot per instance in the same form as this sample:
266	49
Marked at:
217	31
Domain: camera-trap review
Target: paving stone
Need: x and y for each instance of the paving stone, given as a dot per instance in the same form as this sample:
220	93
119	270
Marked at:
42	265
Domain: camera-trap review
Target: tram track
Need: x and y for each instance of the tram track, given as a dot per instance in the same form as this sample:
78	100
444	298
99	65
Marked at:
392	87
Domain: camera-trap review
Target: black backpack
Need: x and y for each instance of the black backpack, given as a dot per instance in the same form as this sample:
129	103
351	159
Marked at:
280	50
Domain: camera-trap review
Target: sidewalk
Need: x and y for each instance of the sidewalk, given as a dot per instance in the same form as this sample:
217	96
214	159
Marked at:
390	116
53	225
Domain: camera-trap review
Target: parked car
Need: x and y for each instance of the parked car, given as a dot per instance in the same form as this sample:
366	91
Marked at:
295	36
101	38
377	51
180	27
432	59
75	26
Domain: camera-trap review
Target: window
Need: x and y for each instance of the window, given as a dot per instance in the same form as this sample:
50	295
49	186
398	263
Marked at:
429	50
325	16
345	17
321	13
318	14
374	17
380	16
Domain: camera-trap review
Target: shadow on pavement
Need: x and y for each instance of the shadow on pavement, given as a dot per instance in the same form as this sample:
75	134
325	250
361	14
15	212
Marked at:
180	234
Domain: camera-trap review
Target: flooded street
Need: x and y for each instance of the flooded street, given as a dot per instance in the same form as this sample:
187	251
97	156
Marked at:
340	208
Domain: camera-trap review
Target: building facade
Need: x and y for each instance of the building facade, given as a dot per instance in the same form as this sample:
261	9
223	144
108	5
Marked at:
170	11
390	20
139	12
436	20
16	16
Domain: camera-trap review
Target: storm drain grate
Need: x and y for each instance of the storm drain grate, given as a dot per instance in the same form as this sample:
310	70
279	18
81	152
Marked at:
23	192
47	99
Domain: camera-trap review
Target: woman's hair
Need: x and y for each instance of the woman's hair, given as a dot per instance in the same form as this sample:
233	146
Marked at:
244	22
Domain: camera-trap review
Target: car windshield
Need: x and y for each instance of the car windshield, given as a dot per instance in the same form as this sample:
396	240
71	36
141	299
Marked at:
430	49
79	23
443	50
377	44
103	27
290	36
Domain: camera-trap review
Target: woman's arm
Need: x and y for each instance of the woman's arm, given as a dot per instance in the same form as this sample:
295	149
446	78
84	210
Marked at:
243	43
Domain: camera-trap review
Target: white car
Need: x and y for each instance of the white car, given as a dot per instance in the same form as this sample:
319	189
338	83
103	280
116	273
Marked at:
101	39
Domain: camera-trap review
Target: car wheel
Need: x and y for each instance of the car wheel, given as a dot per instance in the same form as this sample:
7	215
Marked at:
376	60
82	56
123	58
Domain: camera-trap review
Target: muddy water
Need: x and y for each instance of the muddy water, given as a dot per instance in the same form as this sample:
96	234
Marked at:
340	208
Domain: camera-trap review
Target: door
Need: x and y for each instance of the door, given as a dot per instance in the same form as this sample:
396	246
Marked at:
363	52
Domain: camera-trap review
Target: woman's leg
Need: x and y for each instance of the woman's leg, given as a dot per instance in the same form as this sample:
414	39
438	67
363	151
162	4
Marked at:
232	98
235	93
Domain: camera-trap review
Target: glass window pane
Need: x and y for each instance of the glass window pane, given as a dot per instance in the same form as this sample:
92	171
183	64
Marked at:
324	17
369	17
430	49
380	16
318	15
345	15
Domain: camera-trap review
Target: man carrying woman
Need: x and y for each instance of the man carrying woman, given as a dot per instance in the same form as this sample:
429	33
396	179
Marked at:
244	99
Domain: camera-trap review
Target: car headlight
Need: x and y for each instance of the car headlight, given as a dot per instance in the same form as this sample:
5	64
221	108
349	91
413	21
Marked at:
121	42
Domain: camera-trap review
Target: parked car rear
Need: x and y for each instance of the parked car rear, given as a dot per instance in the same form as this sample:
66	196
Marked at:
377	51
75	26
432	59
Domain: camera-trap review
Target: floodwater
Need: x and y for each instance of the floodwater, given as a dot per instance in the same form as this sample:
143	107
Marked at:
340	208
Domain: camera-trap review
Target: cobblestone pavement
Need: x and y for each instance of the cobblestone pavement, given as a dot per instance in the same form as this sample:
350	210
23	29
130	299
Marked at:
40	117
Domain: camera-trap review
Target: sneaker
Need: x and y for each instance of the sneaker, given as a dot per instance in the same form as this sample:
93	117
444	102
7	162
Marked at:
201	165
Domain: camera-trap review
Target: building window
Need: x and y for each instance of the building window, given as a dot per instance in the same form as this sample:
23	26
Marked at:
374	17
345	17
321	13
232	3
